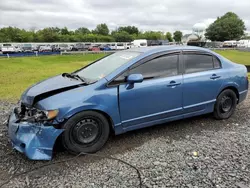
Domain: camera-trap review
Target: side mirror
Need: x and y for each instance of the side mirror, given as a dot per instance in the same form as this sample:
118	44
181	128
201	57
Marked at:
134	78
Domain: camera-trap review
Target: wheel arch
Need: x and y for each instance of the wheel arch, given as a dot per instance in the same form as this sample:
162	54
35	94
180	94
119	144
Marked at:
105	114
233	88
111	123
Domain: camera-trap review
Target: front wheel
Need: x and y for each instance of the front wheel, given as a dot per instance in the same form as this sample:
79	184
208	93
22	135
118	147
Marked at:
225	104
85	132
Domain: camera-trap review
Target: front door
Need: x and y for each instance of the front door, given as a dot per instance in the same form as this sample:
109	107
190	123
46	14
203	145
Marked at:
157	98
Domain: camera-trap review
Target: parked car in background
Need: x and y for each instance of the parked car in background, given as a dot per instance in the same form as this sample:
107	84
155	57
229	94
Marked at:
230	44
113	46
164	42
139	43
157	42
153	43
18	49
195	43
128	45
105	47
71	46
8	48
53	48
62	47
35	47
94	48
45	48
120	46
87	45
79	47
125	91
27	48
243	43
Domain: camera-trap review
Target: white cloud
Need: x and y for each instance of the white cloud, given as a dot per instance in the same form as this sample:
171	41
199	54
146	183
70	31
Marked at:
161	15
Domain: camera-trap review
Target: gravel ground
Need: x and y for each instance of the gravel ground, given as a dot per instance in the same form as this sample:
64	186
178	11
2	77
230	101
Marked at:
164	154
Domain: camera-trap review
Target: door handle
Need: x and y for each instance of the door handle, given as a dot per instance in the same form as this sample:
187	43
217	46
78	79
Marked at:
214	76
173	83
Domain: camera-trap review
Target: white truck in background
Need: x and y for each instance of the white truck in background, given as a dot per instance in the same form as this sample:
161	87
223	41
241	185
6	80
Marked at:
230	44
243	43
8	48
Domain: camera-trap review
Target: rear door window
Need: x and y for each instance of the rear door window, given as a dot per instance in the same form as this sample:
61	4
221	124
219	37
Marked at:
198	62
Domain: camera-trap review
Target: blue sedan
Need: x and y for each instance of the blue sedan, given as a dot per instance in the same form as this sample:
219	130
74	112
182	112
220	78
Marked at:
124	91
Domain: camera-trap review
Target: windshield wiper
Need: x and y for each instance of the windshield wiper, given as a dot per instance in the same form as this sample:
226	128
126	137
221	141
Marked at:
80	78
75	76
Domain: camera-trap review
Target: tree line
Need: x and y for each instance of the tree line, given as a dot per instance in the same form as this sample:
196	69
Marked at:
228	27
100	34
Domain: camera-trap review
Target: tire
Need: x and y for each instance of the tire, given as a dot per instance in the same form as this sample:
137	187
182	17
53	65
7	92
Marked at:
86	132
225	104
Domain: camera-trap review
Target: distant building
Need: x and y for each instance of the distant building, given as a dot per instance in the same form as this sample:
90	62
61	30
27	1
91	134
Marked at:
189	37
198	34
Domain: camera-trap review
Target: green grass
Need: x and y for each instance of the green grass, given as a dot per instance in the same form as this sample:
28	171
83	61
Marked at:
16	74
236	56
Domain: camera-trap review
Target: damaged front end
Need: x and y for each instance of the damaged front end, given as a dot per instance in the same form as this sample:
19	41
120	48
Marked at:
34	115
32	131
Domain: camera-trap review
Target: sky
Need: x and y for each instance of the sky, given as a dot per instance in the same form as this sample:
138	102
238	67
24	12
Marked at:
157	15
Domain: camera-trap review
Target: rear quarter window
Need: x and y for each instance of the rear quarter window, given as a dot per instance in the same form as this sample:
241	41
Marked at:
217	63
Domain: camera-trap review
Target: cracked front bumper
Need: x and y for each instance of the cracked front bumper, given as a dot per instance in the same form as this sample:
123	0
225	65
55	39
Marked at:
35	140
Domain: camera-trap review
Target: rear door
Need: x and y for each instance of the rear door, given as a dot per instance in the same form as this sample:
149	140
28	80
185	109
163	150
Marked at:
202	81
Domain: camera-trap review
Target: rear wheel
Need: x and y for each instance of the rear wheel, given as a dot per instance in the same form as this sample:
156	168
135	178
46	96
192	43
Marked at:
85	132
225	104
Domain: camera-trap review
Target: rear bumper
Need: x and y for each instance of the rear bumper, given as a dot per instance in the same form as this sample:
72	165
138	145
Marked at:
242	96
36	141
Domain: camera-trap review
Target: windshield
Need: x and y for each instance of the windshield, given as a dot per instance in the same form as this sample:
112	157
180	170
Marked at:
107	65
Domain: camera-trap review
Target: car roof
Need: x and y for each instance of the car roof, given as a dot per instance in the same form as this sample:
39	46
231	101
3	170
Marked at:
155	49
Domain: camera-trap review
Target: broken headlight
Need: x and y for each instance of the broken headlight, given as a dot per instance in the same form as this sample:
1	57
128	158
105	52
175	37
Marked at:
44	115
34	115
51	114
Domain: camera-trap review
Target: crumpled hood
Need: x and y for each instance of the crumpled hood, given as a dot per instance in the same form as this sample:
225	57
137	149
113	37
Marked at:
47	88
